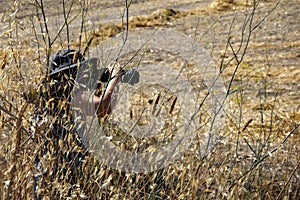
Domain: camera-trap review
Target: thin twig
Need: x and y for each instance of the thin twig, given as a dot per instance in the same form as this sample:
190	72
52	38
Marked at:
255	164
288	181
126	11
48	49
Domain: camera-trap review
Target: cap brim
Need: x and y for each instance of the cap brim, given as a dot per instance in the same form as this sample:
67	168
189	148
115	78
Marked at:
68	67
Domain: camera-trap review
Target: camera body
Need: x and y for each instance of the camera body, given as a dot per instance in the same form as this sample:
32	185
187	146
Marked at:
130	76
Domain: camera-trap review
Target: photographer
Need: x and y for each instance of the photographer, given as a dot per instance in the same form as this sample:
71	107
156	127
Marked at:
58	159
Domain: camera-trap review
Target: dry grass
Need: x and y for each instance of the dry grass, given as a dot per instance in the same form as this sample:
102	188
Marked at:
259	159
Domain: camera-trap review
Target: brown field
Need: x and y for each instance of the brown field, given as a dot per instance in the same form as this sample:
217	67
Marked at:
259	156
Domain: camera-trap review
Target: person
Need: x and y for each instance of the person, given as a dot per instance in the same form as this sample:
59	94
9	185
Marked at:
55	127
55	131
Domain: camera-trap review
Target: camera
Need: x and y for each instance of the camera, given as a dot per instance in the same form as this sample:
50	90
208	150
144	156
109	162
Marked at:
130	76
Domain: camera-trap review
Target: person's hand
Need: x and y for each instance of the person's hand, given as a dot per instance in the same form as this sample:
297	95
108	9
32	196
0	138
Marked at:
115	69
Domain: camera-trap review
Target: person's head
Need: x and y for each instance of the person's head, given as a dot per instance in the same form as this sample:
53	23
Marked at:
62	74
65	63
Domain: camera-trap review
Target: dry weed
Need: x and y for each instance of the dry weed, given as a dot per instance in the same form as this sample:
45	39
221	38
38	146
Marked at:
259	159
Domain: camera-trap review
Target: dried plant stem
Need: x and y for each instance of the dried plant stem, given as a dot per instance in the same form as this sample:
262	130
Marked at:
49	45
17	149
256	163
288	181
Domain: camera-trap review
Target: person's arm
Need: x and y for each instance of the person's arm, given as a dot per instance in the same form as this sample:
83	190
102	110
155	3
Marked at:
107	101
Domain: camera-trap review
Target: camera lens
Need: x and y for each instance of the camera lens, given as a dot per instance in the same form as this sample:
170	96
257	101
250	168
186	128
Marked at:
131	77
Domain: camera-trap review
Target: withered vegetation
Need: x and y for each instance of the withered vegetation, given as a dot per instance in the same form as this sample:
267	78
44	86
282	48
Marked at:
255	45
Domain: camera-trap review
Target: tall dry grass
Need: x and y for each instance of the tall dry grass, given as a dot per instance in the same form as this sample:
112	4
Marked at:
258	159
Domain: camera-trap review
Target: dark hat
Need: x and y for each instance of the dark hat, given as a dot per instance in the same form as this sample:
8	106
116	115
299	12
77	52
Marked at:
65	59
